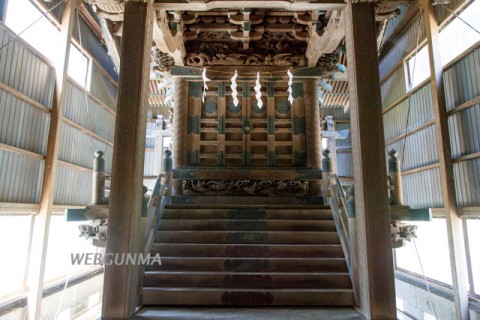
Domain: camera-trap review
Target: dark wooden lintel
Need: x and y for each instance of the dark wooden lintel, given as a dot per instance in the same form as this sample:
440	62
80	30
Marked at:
246	72
247	173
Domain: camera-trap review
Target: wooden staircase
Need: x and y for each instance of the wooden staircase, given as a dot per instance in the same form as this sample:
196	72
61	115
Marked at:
248	256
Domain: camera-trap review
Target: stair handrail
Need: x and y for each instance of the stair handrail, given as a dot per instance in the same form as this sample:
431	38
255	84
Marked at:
161	196
340	217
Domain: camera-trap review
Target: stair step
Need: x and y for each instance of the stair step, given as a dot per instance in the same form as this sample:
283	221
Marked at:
247	237
243	225
268	213
256	201
247	297
251	264
248	250
254	280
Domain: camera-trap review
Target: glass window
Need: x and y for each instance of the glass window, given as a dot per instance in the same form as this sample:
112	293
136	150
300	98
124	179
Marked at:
15	236
78	67
418	68
451	44
473	230
43	35
432	245
63	242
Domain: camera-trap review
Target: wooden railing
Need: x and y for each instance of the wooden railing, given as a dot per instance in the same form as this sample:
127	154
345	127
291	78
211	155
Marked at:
338	204
160	197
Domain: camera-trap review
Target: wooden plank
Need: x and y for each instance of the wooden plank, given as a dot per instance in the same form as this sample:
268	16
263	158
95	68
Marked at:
372	258
42	221
24	98
464	106
91	96
123	282
454	228
420	169
87	131
467	157
74	166
21	151
408	133
26	208
277	4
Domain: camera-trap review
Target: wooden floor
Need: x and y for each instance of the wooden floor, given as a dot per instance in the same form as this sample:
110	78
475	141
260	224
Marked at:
248	313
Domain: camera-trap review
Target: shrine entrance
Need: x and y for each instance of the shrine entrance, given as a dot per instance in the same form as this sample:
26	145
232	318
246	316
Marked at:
222	134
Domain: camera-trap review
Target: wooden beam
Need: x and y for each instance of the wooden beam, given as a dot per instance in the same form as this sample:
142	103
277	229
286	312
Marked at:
454	228
373	266
38	253
87	131
420	169
467	157
122	282
24	98
246	73
21	151
408	133
331	37
277	4
465	105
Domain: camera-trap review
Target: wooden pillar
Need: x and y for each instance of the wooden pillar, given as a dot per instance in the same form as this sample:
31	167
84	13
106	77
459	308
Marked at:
374	266
454	228
38	251
180	121
122	282
313	132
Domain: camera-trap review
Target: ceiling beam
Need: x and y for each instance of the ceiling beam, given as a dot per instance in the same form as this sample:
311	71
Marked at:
278	4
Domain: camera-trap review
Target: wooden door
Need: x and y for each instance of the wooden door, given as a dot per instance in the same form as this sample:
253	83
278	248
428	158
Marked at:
221	134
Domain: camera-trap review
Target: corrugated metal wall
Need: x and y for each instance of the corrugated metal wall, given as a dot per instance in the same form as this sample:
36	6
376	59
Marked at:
462	85
24	76
26	98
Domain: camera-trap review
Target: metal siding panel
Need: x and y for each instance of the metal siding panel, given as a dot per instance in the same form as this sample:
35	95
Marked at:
421	111
19	176
93	117
419	189
78	148
465	131
103	89
17	60
72	187
148	163
420	149
442	13
403	46
393	88
22	125
462	81
467	182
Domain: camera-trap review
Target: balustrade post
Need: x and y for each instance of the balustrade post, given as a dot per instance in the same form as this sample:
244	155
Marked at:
395	175
327	170
98	185
167	166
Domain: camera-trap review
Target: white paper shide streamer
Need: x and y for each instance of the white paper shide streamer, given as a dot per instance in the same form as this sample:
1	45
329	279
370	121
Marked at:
290	90
258	93
234	89
205	88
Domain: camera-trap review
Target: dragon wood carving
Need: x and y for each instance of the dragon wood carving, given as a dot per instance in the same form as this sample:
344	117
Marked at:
270	188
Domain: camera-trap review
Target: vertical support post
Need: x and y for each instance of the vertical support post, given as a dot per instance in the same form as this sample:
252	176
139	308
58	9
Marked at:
180	121
98	183
332	142
327	170
374	266
312	123
38	251
167	169
122	282
454	228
